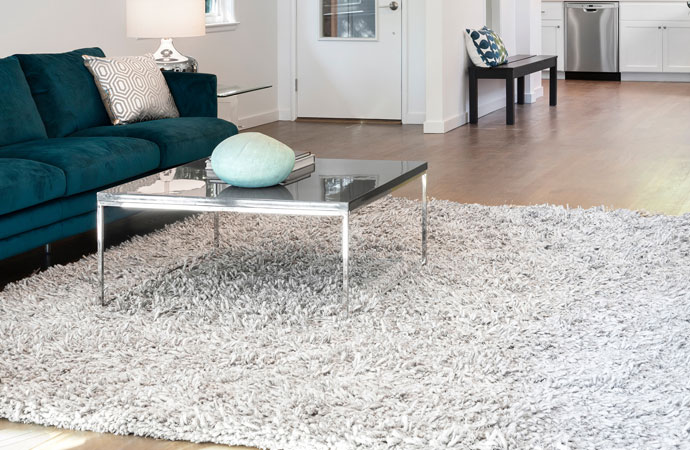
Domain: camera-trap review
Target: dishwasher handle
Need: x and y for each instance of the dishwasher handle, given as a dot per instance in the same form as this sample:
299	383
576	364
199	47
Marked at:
592	7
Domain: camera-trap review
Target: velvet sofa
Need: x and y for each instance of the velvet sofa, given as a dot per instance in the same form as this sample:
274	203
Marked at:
58	148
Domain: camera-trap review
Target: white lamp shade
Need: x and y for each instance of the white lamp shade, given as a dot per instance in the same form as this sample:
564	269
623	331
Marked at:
166	18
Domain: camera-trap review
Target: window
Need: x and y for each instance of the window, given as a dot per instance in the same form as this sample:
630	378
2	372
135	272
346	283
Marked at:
348	19
220	15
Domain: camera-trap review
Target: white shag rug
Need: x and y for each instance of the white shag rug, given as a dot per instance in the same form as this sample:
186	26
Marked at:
531	327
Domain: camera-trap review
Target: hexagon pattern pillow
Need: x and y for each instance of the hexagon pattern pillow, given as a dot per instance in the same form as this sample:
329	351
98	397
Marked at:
485	47
132	88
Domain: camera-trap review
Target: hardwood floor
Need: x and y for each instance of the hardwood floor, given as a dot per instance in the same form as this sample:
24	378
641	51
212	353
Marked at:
621	145
35	437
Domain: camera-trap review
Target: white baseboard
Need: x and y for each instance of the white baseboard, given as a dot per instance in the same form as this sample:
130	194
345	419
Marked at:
257	119
415	118
285	114
487	108
531	97
640	76
545	75
655	76
440	127
496	104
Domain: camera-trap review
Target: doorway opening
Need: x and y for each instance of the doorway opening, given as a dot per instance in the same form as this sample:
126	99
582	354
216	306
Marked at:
493	15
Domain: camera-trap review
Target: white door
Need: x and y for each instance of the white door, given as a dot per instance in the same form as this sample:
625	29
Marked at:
349	59
676	48
552	40
641	46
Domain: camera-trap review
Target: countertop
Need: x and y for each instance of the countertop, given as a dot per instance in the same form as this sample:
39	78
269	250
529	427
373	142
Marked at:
620	1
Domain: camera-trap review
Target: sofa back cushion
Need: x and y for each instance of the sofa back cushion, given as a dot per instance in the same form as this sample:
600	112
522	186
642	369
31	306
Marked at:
19	118
64	91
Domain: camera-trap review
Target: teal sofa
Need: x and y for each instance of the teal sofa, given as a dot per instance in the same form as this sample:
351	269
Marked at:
58	148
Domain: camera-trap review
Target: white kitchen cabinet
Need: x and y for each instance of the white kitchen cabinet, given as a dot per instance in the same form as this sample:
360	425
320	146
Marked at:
641	44
654	37
552	11
552	40
659	11
553	31
676	46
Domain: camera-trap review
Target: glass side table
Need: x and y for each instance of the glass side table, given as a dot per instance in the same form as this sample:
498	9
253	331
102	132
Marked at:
225	90
228	101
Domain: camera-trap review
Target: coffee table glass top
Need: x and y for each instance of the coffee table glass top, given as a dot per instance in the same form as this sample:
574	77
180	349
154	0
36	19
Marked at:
335	184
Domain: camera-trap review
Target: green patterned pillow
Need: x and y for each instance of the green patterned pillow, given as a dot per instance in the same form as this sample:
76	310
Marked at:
485	47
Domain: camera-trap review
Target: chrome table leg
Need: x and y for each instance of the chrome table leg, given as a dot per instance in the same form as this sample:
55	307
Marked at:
101	248
425	219
216	230
346	256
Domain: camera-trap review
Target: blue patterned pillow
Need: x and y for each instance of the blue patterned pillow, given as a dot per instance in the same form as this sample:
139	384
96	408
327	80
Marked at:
485	47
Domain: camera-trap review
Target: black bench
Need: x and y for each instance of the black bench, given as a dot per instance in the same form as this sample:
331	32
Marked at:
517	67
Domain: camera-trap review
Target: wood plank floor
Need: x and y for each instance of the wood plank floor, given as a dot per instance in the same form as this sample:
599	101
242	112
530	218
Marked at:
621	145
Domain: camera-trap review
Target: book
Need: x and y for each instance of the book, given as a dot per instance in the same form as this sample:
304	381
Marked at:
303	159
299	174
305	164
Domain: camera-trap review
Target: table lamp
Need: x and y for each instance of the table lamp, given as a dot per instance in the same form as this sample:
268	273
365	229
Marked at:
167	19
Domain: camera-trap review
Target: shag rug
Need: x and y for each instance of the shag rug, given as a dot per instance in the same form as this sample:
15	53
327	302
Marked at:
531	327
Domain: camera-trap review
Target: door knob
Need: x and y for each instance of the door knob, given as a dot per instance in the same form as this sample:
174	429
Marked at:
393	6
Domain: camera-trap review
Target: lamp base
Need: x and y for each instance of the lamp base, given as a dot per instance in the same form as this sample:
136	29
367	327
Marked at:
169	59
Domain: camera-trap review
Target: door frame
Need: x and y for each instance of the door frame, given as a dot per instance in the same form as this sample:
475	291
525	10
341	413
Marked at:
404	65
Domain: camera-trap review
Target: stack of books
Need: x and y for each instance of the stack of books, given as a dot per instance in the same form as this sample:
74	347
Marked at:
305	165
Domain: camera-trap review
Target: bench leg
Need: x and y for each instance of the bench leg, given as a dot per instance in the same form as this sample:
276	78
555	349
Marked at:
553	86
521	90
474	98
510	101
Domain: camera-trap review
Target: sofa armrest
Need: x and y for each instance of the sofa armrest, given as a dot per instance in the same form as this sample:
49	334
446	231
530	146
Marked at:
195	94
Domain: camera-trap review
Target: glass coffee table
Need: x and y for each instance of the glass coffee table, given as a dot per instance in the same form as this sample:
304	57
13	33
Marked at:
331	187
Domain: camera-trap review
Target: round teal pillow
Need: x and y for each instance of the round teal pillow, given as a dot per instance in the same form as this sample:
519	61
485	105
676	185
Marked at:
252	160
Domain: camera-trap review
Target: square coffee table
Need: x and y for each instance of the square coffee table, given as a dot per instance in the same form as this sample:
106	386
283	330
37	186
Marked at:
336	187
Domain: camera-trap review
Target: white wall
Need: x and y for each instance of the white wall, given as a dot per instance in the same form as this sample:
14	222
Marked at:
447	61
447	105
528	30
245	56
415	110
436	59
286	63
492	93
435	62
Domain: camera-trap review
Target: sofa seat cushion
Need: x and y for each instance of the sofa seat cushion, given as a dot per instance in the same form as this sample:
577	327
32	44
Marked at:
19	118
64	91
180	140
46	213
25	183
90	163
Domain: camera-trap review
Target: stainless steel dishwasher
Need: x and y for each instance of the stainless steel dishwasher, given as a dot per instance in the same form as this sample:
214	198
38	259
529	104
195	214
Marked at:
591	40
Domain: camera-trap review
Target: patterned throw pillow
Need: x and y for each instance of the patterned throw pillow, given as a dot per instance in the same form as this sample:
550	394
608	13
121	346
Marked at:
485	47
133	88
